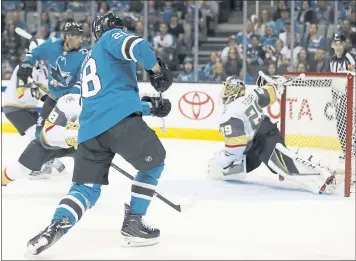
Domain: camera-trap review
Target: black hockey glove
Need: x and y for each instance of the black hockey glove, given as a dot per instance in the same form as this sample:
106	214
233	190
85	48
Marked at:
157	109
162	80
24	71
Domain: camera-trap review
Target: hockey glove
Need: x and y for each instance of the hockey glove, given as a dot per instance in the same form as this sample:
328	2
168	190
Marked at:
24	71
162	80
157	109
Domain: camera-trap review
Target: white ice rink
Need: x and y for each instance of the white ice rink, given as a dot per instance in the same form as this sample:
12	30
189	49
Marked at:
260	218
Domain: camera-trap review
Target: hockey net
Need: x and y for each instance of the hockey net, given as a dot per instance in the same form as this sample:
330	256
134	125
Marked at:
318	118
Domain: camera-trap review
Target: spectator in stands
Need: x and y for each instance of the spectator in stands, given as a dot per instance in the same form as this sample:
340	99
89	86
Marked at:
249	79
272	69
281	22
43	33
232	43
351	43
17	21
270	37
167	12
249	31
187	75
208	68
255	53
312	40
282	4
346	28
153	18
139	28
296	48
306	14
121	5
282	60
13	43
262	20
86	36
270	56
45	21
209	11
303	57
8	6
177	31
353	20
103	7
319	63
218	73
55	6
164	39
301	67
233	64
78	6
324	14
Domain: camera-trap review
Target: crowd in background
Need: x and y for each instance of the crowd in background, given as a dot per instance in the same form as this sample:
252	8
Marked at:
171	34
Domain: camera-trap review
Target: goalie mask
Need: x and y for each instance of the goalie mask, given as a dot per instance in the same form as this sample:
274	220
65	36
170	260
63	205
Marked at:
232	89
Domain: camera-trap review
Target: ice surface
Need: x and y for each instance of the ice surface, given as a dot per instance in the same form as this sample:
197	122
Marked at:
259	218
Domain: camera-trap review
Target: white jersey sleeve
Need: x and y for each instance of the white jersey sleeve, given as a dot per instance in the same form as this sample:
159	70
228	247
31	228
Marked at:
11	96
54	132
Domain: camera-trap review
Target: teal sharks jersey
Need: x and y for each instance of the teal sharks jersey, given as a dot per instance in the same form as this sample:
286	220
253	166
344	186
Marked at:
63	67
109	81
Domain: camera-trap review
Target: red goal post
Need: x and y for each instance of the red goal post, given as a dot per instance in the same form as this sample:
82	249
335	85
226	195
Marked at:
336	133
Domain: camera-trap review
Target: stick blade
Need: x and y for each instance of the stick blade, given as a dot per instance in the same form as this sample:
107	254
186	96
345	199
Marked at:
23	33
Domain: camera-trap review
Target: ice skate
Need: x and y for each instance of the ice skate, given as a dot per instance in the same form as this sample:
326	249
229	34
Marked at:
48	237
136	233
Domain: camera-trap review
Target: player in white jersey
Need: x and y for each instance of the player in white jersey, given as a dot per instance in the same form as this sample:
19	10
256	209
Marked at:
251	138
58	139
20	103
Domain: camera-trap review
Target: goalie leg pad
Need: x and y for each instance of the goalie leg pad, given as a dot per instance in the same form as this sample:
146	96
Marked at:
281	163
237	171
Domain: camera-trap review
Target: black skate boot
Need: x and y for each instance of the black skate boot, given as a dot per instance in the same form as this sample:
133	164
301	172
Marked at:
136	232
48	237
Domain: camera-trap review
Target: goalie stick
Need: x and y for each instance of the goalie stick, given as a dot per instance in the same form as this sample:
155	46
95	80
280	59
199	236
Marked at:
25	34
169	203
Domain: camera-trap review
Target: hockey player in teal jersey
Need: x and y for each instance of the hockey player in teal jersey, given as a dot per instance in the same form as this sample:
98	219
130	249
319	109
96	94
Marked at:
111	123
64	58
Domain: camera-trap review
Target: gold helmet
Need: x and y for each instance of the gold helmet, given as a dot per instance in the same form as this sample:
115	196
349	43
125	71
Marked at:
232	89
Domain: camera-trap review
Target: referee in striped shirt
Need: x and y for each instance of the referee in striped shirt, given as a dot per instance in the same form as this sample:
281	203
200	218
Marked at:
339	63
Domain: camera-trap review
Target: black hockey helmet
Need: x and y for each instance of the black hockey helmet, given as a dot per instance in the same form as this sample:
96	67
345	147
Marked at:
340	37
104	23
72	29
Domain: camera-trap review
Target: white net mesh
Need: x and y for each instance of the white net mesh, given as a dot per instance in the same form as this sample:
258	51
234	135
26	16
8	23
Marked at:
316	120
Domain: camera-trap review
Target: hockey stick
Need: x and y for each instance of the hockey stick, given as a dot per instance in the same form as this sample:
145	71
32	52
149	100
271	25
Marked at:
25	34
163	127
176	207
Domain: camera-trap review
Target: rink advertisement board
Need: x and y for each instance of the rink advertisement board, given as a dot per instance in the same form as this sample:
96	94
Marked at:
196	108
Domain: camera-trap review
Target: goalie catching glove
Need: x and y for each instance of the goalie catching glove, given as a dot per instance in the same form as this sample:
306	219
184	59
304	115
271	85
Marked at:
279	83
157	109
71	135
162	80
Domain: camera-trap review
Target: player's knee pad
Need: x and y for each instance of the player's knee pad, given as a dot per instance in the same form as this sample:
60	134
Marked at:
16	170
280	162
91	193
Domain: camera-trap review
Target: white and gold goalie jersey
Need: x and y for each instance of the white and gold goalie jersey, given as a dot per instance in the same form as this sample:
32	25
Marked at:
55	133
241	118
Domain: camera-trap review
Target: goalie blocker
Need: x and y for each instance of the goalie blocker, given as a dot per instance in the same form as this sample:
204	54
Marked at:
251	138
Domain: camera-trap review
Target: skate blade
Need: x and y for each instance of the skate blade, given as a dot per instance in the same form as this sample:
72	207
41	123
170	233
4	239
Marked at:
138	242
32	249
